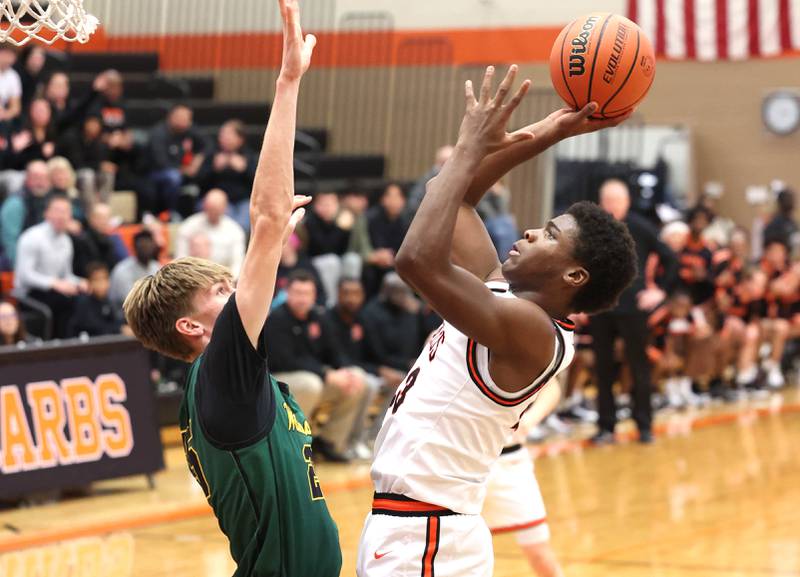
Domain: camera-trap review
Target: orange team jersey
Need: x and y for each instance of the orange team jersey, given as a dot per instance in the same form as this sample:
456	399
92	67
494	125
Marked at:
696	255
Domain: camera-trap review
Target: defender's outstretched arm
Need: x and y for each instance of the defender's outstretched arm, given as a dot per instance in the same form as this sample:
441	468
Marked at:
272	202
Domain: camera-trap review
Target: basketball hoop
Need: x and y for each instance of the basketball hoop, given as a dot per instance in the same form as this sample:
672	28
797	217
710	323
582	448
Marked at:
46	21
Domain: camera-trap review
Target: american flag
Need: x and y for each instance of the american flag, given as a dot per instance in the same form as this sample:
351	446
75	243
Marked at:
719	29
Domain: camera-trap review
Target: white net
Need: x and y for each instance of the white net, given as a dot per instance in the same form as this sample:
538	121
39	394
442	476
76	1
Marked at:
46	21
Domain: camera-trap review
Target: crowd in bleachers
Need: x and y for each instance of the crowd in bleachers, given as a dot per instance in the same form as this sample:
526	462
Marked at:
344	327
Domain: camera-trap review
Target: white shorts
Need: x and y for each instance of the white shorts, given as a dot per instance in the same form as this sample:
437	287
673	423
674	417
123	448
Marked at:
414	544
513	500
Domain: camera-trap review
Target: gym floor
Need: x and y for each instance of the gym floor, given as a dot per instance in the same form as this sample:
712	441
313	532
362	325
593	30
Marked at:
715	495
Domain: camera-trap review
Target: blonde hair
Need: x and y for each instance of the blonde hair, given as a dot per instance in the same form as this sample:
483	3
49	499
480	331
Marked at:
59	162
157	301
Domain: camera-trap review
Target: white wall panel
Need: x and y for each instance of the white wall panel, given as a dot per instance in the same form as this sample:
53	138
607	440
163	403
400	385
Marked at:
144	17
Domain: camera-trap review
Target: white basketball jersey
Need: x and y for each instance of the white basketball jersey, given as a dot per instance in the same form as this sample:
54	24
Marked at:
449	421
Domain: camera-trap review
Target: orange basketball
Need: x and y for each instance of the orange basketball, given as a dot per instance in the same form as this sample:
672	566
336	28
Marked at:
604	58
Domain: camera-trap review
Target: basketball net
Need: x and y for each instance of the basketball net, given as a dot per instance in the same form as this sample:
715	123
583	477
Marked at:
46	21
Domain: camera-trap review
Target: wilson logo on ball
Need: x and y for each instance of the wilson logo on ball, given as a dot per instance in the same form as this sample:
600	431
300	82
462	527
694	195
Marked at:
577	60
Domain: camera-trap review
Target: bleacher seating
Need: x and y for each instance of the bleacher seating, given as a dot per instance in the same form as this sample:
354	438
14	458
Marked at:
150	94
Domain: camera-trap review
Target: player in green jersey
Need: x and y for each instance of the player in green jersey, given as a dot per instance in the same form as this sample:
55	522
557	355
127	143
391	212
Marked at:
247	442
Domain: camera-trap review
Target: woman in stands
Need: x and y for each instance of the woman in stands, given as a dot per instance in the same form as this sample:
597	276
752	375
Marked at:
12	329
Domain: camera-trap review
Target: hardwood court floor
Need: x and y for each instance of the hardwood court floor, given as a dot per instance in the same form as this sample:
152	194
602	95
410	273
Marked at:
716	495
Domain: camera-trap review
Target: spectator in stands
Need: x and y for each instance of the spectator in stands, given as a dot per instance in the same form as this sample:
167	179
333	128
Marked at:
740	303
783	226
30	67
63	181
388	224
781	298
293	259
629	320
353	218
123	172
36	140
418	191
143	262
325	241
26	208
12	329
695	258
109	104
393	322
85	149
68	112
674	327
347	324
176	152
305	355
231	167
89	154
10	90
226	237
94	313
44	264
495	211
98	243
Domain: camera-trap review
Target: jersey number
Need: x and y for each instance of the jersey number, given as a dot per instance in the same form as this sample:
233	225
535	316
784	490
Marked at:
400	395
313	480
194	461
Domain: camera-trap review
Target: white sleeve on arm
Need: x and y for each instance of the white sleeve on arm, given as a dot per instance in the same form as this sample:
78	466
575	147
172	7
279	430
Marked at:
29	277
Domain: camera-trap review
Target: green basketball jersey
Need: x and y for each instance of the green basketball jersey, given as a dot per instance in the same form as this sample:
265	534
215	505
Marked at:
266	496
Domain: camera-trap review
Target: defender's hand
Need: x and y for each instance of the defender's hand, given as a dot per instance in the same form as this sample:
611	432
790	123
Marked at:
298	212
485	121
297	50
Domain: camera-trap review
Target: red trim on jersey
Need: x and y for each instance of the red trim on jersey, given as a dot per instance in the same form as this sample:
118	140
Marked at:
544	378
431	546
566	324
520	527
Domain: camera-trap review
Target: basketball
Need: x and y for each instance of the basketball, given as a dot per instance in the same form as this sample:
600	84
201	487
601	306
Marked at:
604	58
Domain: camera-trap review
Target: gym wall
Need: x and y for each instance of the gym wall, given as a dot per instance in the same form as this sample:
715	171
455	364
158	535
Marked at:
387	75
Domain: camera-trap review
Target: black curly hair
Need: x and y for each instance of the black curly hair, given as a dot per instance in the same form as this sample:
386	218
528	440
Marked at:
605	248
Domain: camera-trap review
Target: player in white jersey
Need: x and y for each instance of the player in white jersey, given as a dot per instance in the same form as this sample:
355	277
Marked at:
501	342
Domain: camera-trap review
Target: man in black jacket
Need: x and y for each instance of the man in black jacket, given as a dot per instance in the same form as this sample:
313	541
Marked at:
305	354
357	349
176	152
231	166
629	320
98	242
388	224
395	325
94	314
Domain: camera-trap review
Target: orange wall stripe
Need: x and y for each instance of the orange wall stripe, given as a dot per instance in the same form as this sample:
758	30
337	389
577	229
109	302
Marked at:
338	49
262	50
